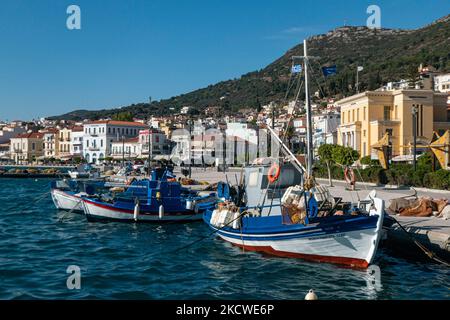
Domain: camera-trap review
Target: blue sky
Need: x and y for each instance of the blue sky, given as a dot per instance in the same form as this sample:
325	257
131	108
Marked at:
128	50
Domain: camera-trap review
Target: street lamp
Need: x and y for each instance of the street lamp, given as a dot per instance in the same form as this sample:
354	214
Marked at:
414	111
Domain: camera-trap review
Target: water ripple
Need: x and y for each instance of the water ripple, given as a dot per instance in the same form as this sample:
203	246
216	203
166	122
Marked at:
128	261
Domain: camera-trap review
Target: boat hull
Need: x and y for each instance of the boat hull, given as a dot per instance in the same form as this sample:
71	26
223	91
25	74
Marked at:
67	201
351	243
96	211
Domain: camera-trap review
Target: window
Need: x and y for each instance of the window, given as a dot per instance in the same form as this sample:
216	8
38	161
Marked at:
33	146
109	130
387	113
357	114
101	143
87	143
364	113
389	131
353	115
364	133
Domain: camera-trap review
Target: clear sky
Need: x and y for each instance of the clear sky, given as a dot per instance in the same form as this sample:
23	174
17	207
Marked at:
128	50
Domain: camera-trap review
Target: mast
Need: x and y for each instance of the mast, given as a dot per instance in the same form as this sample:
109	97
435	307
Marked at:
309	145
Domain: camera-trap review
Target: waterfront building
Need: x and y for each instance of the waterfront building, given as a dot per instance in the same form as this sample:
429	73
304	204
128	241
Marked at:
51	142
99	136
153	140
126	149
76	142
27	147
64	140
367	116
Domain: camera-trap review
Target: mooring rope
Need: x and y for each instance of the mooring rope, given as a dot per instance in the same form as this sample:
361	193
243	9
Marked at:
430	254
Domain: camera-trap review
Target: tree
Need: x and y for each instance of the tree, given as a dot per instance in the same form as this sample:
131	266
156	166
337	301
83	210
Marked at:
326	155
123	116
345	156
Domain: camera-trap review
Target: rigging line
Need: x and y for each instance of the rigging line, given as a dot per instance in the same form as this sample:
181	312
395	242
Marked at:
70	211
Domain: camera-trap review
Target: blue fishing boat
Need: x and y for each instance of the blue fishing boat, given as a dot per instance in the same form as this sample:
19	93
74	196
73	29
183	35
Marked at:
158	199
276	212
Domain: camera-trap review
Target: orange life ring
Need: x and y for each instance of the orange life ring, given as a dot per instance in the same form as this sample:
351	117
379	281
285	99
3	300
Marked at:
274	173
349	176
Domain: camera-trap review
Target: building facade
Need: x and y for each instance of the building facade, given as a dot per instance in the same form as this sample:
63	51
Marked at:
51	143
100	135
27	147
76	142
366	117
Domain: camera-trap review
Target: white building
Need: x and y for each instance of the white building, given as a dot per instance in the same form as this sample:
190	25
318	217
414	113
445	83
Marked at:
127	149
325	127
76	142
442	83
99	136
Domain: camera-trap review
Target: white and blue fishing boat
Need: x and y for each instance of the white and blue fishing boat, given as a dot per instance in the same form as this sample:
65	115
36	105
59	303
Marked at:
158	199
280	213
67	194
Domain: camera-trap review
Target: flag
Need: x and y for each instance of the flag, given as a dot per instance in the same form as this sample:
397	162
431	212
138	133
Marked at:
328	71
296	68
360	68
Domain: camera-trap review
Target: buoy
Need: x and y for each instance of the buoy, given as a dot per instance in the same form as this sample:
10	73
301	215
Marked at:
136	211
311	295
161	211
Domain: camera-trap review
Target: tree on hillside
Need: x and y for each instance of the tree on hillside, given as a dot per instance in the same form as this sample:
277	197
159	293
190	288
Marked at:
123	116
326	155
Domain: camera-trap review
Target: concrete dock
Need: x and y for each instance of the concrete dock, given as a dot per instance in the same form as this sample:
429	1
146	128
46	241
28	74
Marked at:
432	232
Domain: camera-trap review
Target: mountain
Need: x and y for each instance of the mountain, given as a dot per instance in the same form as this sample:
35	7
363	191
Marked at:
386	54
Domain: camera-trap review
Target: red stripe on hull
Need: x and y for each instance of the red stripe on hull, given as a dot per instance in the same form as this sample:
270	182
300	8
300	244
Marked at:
132	211
350	262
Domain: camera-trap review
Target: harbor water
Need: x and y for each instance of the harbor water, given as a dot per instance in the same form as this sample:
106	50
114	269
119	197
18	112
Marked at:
129	261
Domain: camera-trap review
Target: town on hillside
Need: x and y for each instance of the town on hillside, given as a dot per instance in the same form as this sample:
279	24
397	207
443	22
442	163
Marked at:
358	121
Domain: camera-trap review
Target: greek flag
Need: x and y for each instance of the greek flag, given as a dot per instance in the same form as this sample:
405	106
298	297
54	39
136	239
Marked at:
296	68
328	71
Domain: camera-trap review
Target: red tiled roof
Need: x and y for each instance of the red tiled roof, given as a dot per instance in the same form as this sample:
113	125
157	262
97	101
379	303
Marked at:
77	129
30	135
118	123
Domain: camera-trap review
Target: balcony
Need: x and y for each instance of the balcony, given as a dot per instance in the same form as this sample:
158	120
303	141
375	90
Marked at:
94	149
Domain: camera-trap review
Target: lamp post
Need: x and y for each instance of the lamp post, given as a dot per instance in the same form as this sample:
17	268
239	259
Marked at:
414	119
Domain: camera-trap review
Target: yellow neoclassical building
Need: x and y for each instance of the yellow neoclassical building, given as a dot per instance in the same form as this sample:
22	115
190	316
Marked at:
366	117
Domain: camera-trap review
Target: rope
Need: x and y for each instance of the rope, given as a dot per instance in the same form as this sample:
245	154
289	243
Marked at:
70	211
430	254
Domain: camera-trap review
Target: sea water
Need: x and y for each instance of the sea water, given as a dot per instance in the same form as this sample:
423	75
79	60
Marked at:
41	246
